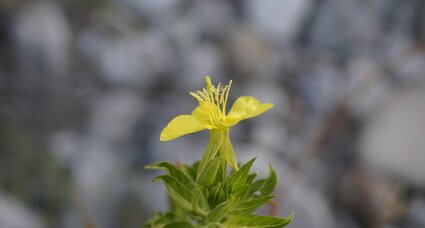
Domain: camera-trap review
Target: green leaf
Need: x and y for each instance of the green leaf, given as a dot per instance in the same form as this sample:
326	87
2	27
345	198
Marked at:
179	225
220	211
251	221
250	205
213	194
215	225
212	173
241	176
218	193
172	171
195	166
160	220
241	191
189	171
199	201
251	177
266	186
180	193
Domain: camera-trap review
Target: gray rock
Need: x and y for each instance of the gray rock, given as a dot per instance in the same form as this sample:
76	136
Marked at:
214	17
158	12
130	58
324	86
393	140
311	207
14	214
114	115
416	214
251	55
278	20
270	134
99	180
65	147
42	37
198	62
341	25
367	88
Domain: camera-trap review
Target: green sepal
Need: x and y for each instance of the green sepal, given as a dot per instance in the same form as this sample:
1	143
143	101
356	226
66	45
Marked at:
214	144
213	173
227	153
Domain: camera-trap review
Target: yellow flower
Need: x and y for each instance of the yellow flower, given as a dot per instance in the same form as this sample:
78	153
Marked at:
211	115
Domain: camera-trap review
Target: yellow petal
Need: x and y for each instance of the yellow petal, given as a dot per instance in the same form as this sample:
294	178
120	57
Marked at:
201	114
179	126
246	107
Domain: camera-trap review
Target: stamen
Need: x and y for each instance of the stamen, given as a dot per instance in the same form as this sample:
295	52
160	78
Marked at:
208	82
223	92
222	98
213	100
210	88
226	96
203	95
210	117
217	93
197	97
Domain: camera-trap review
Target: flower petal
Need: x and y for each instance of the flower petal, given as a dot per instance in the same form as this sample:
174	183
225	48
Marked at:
246	107
201	114
179	126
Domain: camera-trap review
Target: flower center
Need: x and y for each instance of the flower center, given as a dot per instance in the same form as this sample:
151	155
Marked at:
213	100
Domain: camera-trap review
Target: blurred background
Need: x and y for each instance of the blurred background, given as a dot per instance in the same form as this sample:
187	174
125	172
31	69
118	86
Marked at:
87	86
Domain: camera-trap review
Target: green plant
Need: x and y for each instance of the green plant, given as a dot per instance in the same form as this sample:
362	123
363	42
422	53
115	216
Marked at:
205	194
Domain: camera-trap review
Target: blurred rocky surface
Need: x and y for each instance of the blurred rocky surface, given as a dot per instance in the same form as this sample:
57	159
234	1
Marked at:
394	139
86	87
42	38
14	214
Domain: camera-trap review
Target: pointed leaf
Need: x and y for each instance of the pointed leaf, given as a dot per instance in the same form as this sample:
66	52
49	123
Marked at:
251	205
161	219
180	193
189	171
211	173
266	186
172	171
251	177
199	201
241	191
220	211
179	225
251	221
240	176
